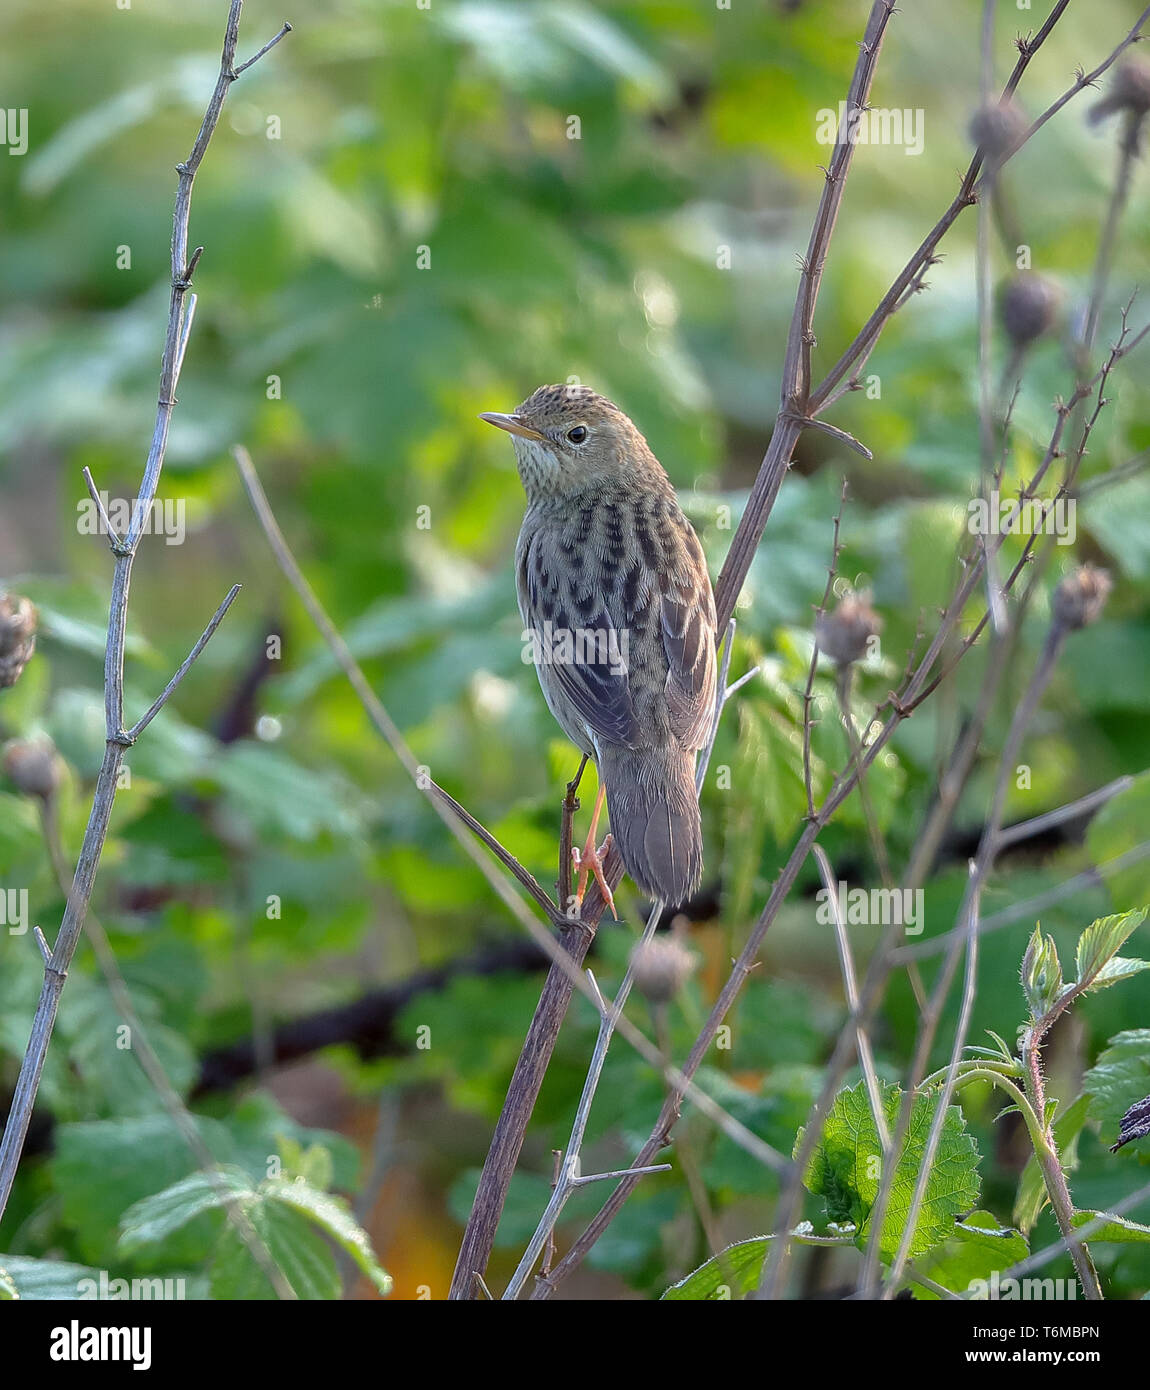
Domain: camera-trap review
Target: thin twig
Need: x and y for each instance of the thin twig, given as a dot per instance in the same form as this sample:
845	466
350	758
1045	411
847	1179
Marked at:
832	572
916	688
968	918
114	747
569	1169
851	990
566	955
1031	908
968	193
132	734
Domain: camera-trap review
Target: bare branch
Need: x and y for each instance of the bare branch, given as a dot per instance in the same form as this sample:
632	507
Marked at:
132	734
124	549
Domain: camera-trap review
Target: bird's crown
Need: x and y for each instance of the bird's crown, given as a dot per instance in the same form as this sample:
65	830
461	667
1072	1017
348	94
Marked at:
569	438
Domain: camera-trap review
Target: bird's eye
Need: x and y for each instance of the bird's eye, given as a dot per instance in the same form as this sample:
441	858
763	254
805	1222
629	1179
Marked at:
578	434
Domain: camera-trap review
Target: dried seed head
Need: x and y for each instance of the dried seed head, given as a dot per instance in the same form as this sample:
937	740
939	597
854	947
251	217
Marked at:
844	632
1029	307
997	127
662	967
1129	90
17	637
1081	596
34	766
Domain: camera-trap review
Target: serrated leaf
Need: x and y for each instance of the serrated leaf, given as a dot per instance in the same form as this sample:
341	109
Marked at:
1119	1079
156	1217
297	1250
732	1273
1116	1228
38	1280
977	1247
101	1167
1102	940
846	1169
333	1217
1118	968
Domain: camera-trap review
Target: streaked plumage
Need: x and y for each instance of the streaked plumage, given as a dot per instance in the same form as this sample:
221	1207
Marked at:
605	547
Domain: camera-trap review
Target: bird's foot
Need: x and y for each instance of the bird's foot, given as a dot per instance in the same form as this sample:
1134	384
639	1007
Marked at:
589	863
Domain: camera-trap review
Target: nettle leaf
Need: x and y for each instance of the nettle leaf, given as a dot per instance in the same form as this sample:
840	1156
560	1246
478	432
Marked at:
1032	1195
1099	944
977	1248
1115	1228
34	1279
334	1219
299	1252
1041	973
1135	1124
732	1273
846	1169
155	1218
1119	1079
1118	968
313	1164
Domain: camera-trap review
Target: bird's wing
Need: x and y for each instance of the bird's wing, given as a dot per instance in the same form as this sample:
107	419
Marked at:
591	671
688	621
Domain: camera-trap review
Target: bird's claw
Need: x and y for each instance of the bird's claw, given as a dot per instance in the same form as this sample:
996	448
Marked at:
589	862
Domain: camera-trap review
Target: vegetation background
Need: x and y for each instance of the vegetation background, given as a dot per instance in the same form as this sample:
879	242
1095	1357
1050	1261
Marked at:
399	233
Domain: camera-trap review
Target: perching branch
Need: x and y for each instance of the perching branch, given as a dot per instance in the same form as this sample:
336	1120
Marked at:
566	955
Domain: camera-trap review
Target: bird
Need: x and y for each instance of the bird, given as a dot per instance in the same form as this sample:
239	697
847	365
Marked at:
614	594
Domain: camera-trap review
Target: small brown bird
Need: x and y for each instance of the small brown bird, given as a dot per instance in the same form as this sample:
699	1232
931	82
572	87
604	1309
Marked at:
614	594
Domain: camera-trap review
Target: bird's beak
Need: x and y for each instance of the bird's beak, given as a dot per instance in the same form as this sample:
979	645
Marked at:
512	424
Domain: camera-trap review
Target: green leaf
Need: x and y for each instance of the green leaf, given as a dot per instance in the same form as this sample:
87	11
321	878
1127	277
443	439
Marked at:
298	1251
313	1164
1041	973
1100	942
155	1218
1119	1079
44	1279
731	1273
1032	1195
974	1251
102	1167
7	1287
846	1169
1119	968
1117	1228
333	1217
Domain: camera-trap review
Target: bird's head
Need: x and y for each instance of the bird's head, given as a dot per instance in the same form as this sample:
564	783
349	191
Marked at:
569	439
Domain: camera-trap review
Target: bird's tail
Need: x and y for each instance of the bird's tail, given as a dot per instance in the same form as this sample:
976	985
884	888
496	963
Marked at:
655	819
